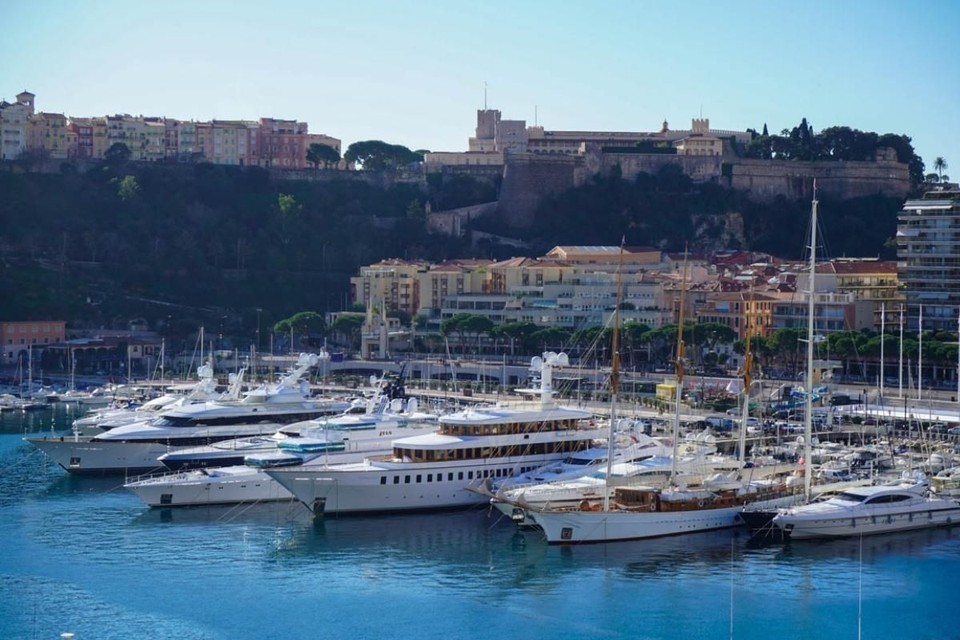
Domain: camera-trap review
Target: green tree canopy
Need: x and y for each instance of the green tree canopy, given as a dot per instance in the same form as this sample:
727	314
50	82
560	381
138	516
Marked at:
318	153
377	155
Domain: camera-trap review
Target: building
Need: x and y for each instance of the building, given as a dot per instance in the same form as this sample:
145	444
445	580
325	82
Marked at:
928	259
393	284
15	125
31	336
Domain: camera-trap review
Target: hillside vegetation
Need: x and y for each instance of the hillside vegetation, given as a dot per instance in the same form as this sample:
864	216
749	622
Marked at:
180	245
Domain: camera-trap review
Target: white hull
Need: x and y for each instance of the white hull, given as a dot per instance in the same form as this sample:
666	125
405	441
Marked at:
920	516
570	527
374	488
82	455
227	485
99	455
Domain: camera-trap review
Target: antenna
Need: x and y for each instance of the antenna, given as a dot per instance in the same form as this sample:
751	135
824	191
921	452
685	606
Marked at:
535	120
484	95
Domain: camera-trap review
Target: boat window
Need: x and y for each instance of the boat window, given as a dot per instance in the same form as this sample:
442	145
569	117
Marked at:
396	479
383	479
460	475
851	497
406	479
450	477
419	478
429	477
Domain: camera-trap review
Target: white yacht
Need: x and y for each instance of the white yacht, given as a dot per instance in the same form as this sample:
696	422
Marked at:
337	440
869	510
697	462
435	471
134	448
204	389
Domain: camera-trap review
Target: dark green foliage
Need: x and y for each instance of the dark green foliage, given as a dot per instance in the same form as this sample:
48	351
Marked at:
377	155
192	241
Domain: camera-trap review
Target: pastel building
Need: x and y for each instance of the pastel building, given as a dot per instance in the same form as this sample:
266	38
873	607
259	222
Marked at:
20	337
15	125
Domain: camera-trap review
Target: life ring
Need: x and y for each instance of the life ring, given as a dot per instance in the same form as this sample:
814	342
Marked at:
653	506
701	504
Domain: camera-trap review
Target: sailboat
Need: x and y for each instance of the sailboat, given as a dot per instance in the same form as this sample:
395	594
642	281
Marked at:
636	512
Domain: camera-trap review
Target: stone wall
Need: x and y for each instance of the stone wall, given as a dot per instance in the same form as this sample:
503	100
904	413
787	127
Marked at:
528	179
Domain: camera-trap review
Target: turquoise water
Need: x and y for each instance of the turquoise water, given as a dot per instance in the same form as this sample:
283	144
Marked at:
82	555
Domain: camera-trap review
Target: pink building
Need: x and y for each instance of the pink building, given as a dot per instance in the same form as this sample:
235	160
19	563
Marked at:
19	337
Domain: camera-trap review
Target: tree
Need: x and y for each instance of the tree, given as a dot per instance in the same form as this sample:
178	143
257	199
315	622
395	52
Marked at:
289	211
318	153
377	155
348	325
118	153
128	188
939	165
304	322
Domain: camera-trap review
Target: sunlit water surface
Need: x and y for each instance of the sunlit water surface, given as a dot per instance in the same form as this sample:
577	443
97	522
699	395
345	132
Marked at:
83	555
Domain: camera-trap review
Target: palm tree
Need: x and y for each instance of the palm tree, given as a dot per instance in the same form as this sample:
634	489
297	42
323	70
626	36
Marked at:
940	165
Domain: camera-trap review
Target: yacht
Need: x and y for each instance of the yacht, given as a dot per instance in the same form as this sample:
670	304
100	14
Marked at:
382	418
204	389
335	440
134	448
437	470
887	508
653	468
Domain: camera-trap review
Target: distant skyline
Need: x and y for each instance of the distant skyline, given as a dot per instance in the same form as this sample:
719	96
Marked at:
413	73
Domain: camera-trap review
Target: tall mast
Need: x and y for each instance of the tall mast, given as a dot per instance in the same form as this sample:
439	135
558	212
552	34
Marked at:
808	414
614	377
678	370
747	380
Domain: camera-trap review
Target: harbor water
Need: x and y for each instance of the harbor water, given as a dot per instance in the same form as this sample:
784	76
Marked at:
84	556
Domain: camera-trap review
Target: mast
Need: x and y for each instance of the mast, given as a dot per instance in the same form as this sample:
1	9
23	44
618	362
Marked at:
747	380
614	378
678	370
920	356
808	413
900	361
883	339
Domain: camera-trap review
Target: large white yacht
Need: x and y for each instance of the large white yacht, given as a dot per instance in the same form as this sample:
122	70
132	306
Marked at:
134	448
203	390
869	510
341	439
436	471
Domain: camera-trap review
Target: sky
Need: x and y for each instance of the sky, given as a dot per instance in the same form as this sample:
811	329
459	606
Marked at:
415	72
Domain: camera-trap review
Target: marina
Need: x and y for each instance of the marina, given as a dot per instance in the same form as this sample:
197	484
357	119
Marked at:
83	555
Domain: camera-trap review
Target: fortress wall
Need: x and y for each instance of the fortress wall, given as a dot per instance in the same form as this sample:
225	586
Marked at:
528	179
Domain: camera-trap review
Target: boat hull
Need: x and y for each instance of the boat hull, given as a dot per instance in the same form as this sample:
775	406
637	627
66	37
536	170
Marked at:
230	485
921	517
575	527
371	488
84	456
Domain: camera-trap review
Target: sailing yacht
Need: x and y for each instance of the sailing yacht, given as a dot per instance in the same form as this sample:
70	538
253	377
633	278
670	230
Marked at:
134	448
436	470
636	512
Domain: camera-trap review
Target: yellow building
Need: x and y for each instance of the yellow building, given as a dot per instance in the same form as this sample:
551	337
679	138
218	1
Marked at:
393	283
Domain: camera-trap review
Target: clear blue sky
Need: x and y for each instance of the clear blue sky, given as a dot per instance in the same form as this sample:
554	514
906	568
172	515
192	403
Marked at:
413	73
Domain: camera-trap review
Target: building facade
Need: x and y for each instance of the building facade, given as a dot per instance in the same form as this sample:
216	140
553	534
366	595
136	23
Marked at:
928	259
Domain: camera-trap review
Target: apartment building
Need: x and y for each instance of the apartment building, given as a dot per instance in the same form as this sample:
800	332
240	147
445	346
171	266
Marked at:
19	338
928	259
269	142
